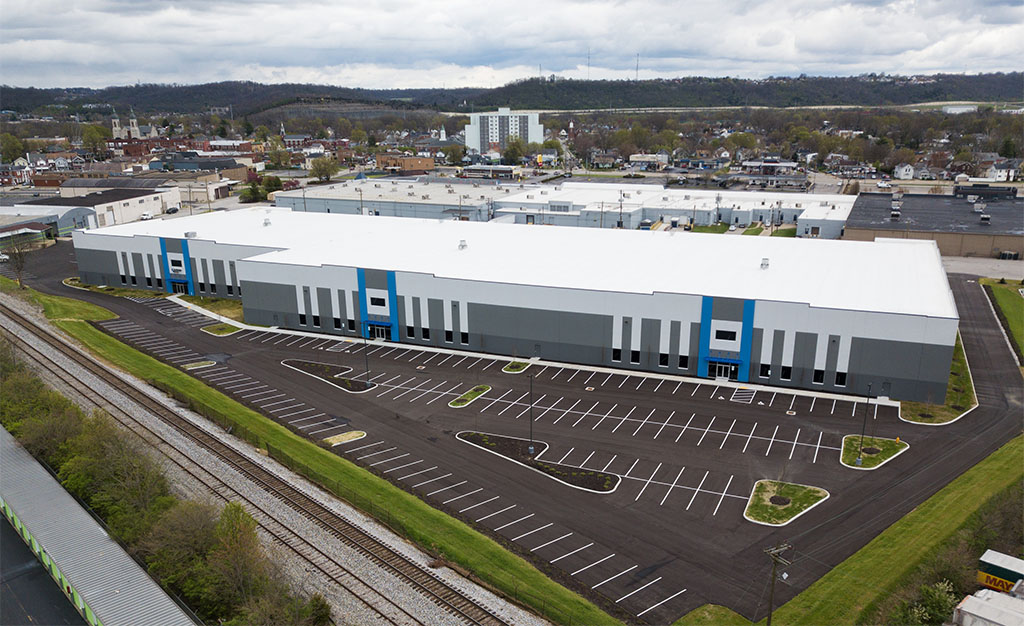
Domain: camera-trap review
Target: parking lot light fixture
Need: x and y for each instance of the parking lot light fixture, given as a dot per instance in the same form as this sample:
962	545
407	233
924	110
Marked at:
863	427
529	450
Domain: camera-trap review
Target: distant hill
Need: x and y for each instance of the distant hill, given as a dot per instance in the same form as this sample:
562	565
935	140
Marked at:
542	93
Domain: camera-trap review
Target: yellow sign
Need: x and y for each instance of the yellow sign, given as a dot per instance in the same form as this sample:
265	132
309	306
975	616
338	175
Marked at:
994	582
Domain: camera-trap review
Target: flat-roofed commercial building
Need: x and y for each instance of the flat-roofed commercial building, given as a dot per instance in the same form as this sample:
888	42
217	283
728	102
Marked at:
988	227
817	314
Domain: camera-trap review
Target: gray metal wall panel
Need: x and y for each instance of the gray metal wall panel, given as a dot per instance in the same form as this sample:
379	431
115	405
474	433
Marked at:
899	369
778	345
205	273
218	276
269	304
307	306
650	343
694	347
728	309
231	274
376	279
831	358
323	302
152	268
435	311
456	325
342	311
572	337
173	245
356	313
674	329
804	345
97	267
756	337
417	322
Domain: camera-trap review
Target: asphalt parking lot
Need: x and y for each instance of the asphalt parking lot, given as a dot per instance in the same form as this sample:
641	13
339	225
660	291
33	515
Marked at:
671	537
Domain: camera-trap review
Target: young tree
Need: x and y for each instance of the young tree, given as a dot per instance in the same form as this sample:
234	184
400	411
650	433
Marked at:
323	168
17	252
11	147
236	563
272	183
454	154
262	132
94	138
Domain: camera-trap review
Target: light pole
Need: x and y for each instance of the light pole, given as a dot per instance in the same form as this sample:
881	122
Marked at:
863	427
366	356
529	450
360	190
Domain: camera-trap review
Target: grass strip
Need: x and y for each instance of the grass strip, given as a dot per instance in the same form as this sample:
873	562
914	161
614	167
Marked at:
785	232
220	329
1010	304
56	307
754	230
221	306
839	597
515	367
959	395
876	450
799	498
433	530
714	228
469	396
123	292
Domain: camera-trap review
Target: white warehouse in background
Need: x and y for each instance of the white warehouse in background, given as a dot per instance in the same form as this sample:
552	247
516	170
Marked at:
488	132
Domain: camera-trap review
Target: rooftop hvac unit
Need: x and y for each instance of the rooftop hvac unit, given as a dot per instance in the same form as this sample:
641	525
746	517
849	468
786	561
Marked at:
409	187
411	193
192	234
344	185
986	218
664	198
451	191
529	196
894	214
507	191
980	207
481	197
476	184
425	196
376	185
764	263
462	244
266	222
972	199
543	192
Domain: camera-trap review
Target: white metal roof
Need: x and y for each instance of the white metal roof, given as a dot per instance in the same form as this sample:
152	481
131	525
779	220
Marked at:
404	190
886	275
114	586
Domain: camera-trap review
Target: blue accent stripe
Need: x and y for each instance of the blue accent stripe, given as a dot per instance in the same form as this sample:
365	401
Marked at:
707	302
393	306
166	269
746	340
187	260
364	326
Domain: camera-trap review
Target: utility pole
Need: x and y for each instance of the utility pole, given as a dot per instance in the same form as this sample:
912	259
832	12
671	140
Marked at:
863	427
775	554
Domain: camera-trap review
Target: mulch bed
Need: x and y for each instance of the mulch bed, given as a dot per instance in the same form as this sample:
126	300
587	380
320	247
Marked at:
779	500
871	450
330	373
518	449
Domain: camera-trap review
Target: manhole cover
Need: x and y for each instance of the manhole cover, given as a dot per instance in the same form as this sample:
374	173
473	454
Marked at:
872	450
421	367
790	412
779	500
589	388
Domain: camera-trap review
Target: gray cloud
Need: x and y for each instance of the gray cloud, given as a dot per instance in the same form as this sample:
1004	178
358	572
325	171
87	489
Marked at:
400	43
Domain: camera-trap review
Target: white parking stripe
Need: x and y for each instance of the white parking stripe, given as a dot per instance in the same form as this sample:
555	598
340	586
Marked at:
259	393
525	517
854	411
544	545
614	456
529	406
624	382
443	393
660	383
555	375
583	569
448	487
585	413
817	447
605	415
369	445
772	440
573	375
729	432
626	475
322	430
401	354
432	389
476	362
714	393
388	352
366	456
286	416
488	365
697	490
252	385
296	340
508	508
426	482
401	467
701	440
643	422
495	400
537	419
411	389
525	393
749	437
671	487
642	381
285	408
644	488
571	553
625	571
432	357
468	508
566	411
772	401
792	402
660	603
394	458
280	395
695	390
442	361
623	421
664	424
417	473
685	427
455	364
833	411
638	590
724	491
566	455
308	417
606	380
463	495
795	437
811	410
397	387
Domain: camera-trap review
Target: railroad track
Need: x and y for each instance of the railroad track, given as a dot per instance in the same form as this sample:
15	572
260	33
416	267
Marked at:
425	582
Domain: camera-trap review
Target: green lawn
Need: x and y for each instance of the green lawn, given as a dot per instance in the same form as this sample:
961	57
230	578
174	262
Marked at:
801	498
55	307
1011	304
887	448
221	306
123	292
754	230
959	395
469	396
785	232
714	228
839	597
515	367
220	329
433	530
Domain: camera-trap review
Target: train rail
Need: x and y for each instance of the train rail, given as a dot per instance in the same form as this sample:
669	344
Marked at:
427	583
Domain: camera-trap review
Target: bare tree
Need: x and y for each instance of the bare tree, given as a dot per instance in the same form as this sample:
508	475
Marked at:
17	254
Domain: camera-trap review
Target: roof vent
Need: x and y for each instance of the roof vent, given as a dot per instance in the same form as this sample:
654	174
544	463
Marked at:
979	207
986	218
894	215
462	244
266	222
190	234
764	263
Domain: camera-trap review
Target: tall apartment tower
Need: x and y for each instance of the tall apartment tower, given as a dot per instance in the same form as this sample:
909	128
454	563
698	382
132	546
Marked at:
491	131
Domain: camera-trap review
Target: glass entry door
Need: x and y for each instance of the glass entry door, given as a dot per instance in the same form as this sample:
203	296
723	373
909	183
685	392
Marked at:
718	369
380	332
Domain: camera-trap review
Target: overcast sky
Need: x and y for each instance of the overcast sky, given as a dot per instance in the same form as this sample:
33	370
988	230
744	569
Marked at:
484	43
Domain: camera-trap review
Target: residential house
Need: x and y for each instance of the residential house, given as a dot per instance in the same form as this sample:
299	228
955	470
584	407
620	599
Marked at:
903	171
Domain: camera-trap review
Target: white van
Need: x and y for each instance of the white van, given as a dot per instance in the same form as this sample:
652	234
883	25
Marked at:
146	216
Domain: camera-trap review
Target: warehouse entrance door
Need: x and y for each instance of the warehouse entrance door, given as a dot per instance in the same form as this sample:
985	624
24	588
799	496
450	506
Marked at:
718	369
380	332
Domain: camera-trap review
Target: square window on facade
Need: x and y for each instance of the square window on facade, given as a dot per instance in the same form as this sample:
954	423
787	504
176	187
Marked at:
231	290
134	281
425	333
684	361
634	356
766	370
616	354
786	373
819	377
316	321
410	331
149	281
663	360
377	302
351	326
202	287
337	323
159	282
124	279
840	379
448	336
213	287
464	338
302	319
725	335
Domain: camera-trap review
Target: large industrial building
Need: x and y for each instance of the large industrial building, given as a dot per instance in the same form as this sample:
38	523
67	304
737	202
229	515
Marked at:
857	317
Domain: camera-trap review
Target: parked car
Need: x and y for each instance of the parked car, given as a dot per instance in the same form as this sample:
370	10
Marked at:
146	216
171	210
4	258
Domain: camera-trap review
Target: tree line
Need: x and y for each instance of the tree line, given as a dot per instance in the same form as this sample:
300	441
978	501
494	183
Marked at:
210	557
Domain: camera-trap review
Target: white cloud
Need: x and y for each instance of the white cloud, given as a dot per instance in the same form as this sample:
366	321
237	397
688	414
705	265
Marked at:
401	43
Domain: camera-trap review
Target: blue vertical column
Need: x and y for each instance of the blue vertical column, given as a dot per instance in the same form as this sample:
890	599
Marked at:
187	260
706	305
364	329
393	306
165	266
746	340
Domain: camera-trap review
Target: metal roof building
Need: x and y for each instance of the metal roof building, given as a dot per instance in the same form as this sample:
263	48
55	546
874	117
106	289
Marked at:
99	578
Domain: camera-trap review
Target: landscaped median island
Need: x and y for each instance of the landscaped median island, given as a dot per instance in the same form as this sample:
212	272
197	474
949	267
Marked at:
221	330
468	397
517	450
221	306
434	531
876	451
776	503
515	367
959	395
331	374
195	365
